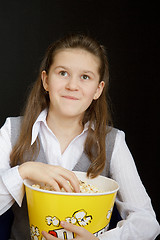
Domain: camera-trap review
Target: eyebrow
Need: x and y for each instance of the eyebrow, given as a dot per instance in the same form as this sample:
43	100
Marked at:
61	67
68	68
89	72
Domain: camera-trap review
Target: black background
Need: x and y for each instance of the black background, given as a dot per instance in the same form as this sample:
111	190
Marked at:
130	32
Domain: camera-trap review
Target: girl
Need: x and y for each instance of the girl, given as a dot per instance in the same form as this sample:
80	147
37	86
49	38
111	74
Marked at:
67	126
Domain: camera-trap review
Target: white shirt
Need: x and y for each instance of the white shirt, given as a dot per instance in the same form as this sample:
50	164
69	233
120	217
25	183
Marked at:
53	154
134	205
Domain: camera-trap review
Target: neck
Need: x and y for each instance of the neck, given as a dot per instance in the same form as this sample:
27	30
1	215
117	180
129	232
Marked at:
61	126
65	129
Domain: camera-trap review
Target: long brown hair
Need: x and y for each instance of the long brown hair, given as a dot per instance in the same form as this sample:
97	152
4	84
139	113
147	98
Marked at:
97	114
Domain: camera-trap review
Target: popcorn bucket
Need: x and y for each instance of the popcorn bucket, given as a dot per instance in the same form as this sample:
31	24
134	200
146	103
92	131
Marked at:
91	211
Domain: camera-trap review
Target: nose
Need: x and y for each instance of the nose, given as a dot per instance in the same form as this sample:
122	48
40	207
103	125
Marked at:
72	84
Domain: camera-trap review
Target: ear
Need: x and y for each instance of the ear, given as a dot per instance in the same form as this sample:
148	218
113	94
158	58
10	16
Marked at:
44	78
99	90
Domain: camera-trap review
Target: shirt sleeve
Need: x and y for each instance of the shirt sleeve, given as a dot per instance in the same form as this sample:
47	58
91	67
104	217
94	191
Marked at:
139	219
11	183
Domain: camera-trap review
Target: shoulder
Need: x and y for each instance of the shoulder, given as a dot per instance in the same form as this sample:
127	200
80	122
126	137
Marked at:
111	137
115	133
10	129
10	122
114	137
111	131
120	146
111	134
120	137
15	120
15	125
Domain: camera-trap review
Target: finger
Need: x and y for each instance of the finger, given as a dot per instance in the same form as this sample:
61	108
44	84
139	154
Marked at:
53	183
72	178
55	180
59	180
72	228
48	236
74	181
81	233
66	186
62	182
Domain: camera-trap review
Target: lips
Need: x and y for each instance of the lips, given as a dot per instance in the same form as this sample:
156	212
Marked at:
70	97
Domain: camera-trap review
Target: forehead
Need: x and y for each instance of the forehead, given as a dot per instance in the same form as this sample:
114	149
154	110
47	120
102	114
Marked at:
76	57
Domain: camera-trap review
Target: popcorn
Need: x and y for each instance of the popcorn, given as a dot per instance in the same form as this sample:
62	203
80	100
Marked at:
84	188
88	188
45	187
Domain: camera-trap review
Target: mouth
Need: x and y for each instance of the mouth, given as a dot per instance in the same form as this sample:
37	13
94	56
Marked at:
70	97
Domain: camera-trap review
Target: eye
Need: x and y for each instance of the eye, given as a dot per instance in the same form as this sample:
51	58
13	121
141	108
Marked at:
85	77
63	73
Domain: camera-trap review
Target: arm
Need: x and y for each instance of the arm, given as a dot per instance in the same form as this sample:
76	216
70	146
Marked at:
133	202
11	184
11	179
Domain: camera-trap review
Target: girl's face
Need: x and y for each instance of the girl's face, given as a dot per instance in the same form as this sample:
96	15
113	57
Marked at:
72	82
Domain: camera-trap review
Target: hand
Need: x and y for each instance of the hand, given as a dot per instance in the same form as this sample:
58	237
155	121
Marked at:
81	233
54	176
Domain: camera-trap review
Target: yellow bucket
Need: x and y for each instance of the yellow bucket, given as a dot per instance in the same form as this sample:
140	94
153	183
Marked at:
89	210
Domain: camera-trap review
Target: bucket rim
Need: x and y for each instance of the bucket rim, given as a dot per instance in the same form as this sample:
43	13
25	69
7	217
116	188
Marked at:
28	183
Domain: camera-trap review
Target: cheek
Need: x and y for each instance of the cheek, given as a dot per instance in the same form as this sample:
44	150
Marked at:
90	92
89	96
55	86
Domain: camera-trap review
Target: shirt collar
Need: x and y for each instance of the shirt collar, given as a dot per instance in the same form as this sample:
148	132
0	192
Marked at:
42	118
36	126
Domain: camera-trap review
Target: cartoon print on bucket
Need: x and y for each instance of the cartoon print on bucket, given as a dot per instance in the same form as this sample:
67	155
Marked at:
34	233
91	211
109	214
79	217
53	220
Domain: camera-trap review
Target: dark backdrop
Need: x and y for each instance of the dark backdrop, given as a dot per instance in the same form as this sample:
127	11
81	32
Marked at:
129	30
